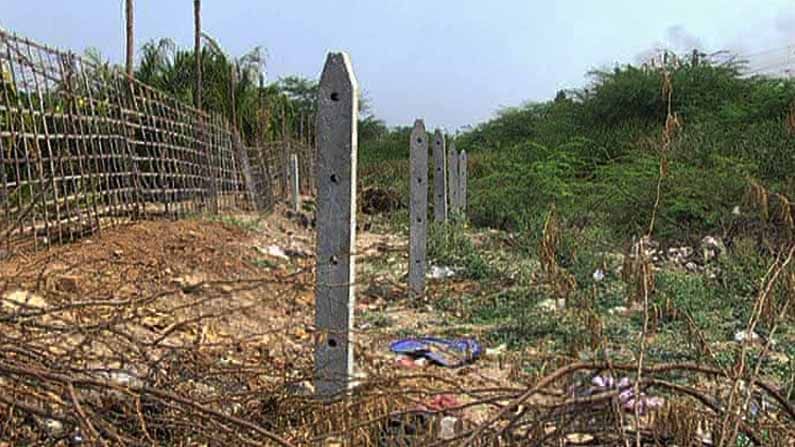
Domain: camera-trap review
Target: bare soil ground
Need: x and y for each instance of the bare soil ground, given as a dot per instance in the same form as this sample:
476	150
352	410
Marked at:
212	310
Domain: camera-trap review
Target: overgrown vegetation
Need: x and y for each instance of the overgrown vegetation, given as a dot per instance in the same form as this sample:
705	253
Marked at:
594	190
594	152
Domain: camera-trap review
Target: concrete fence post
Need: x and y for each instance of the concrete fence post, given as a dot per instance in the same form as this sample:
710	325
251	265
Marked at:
418	211
336	225
439	178
462	182
452	178
295	182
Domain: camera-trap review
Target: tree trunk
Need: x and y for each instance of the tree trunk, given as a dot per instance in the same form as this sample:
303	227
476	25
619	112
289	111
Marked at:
197	48
130	38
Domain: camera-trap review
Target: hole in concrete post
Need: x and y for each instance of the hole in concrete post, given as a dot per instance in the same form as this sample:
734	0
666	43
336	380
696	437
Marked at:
419	140
333	178
335	96
419	180
332	343
334	260
419	220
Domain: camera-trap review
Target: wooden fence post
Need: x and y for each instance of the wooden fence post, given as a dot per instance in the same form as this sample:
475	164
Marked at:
452	179
295	182
418	211
462	182
439	178
336	225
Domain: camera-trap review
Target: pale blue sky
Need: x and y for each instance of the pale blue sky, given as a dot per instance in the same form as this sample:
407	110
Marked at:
453	62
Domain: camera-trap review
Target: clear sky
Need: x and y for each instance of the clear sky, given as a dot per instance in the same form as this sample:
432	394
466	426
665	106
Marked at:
452	62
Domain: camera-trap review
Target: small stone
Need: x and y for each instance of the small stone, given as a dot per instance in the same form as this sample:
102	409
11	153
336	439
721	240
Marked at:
691	266
118	253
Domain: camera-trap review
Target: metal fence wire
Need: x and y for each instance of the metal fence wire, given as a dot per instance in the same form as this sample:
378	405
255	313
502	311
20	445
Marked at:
83	147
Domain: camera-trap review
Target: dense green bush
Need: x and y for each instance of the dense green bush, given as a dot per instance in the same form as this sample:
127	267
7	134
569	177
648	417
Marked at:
595	153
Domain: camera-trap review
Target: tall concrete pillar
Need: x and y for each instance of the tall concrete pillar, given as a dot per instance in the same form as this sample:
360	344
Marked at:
439	178
462	181
418	209
295	183
336	225
452	178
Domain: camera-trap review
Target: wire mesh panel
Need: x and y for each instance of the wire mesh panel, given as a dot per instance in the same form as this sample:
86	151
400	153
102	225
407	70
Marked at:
83	147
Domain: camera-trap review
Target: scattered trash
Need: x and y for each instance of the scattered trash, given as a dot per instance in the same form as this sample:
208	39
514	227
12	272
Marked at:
442	352
496	352
598	275
742	336
579	439
54	427
125	379
332	442
618	310
450	427
736	210
712	247
551	305
436	272
407	362
20	298
442	402
627	398
274	251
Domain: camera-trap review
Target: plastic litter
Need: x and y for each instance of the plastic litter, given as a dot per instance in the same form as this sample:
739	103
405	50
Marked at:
627	398
275	251
436	272
440	351
751	336
598	275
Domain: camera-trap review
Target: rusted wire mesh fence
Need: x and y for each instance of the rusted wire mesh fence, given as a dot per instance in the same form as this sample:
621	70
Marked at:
83	147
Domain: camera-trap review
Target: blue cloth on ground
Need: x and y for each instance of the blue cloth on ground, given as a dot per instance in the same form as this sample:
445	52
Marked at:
443	352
